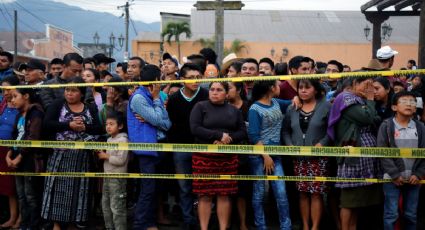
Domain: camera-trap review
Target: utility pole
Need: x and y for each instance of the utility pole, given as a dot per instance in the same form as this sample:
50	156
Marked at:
127	22
126	8
15	36
219	6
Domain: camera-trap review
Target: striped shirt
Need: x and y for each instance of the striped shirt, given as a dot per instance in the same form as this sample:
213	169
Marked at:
265	122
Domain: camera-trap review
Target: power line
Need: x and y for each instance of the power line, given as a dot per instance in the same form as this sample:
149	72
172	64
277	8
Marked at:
44	21
35	16
11	19
34	29
6	19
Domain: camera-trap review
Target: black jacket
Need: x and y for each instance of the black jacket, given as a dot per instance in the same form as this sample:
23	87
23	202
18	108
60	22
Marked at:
32	158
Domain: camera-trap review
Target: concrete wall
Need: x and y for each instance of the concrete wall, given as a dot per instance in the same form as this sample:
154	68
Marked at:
57	43
354	55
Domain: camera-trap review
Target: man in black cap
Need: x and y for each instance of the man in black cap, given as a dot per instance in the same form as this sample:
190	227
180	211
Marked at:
102	61
169	69
34	72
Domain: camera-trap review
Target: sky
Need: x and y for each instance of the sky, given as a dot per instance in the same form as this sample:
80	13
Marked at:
148	10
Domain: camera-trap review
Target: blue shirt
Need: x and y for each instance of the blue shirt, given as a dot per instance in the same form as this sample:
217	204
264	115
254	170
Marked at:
156	116
7	122
265	121
6	73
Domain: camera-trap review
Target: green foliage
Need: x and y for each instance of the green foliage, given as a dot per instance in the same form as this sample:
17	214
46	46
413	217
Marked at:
175	29
206	42
236	47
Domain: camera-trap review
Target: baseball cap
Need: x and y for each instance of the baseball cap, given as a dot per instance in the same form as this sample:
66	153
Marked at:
33	64
102	58
168	56
385	52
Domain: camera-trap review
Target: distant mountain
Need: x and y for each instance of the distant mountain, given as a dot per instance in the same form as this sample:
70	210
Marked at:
33	14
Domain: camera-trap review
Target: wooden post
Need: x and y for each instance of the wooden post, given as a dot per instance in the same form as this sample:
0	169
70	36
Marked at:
421	49
219	6
376	38
219	30
376	20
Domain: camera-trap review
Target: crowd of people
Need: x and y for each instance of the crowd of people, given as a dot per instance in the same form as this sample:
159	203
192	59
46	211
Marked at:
361	112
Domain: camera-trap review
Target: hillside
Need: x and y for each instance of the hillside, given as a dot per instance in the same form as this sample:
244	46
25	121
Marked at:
33	14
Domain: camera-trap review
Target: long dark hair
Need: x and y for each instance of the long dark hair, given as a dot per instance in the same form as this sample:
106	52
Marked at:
320	91
239	87
82	89
224	84
261	88
387	86
32	93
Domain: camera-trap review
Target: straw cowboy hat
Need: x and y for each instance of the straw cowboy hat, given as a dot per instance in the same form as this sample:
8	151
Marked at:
227	61
374	65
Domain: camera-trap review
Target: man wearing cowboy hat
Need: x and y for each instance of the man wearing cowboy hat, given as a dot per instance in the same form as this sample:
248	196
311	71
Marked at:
227	62
102	61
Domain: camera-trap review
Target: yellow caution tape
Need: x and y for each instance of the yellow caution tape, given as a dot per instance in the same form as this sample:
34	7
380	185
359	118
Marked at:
236	79
199	177
231	149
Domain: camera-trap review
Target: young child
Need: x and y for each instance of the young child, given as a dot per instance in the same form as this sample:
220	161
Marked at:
401	131
28	126
114	189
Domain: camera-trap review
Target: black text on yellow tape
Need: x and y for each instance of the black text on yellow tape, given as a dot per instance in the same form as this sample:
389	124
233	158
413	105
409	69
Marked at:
199	177
236	79
230	149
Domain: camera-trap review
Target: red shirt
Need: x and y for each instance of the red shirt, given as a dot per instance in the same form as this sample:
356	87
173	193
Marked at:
286	91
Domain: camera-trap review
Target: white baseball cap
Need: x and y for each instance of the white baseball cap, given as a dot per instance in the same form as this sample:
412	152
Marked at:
385	52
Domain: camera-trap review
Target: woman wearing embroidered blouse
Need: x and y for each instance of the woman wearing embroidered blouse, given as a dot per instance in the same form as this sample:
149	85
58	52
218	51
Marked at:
307	127
69	119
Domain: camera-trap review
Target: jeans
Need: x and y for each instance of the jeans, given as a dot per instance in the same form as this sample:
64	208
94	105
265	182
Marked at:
279	191
410	195
114	203
183	165
29	199
146	208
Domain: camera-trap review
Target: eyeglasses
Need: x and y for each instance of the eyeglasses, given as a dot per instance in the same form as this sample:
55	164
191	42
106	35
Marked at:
410	102
192	77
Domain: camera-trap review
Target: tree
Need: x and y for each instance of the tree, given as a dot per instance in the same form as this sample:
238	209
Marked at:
236	47
175	29
206	42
